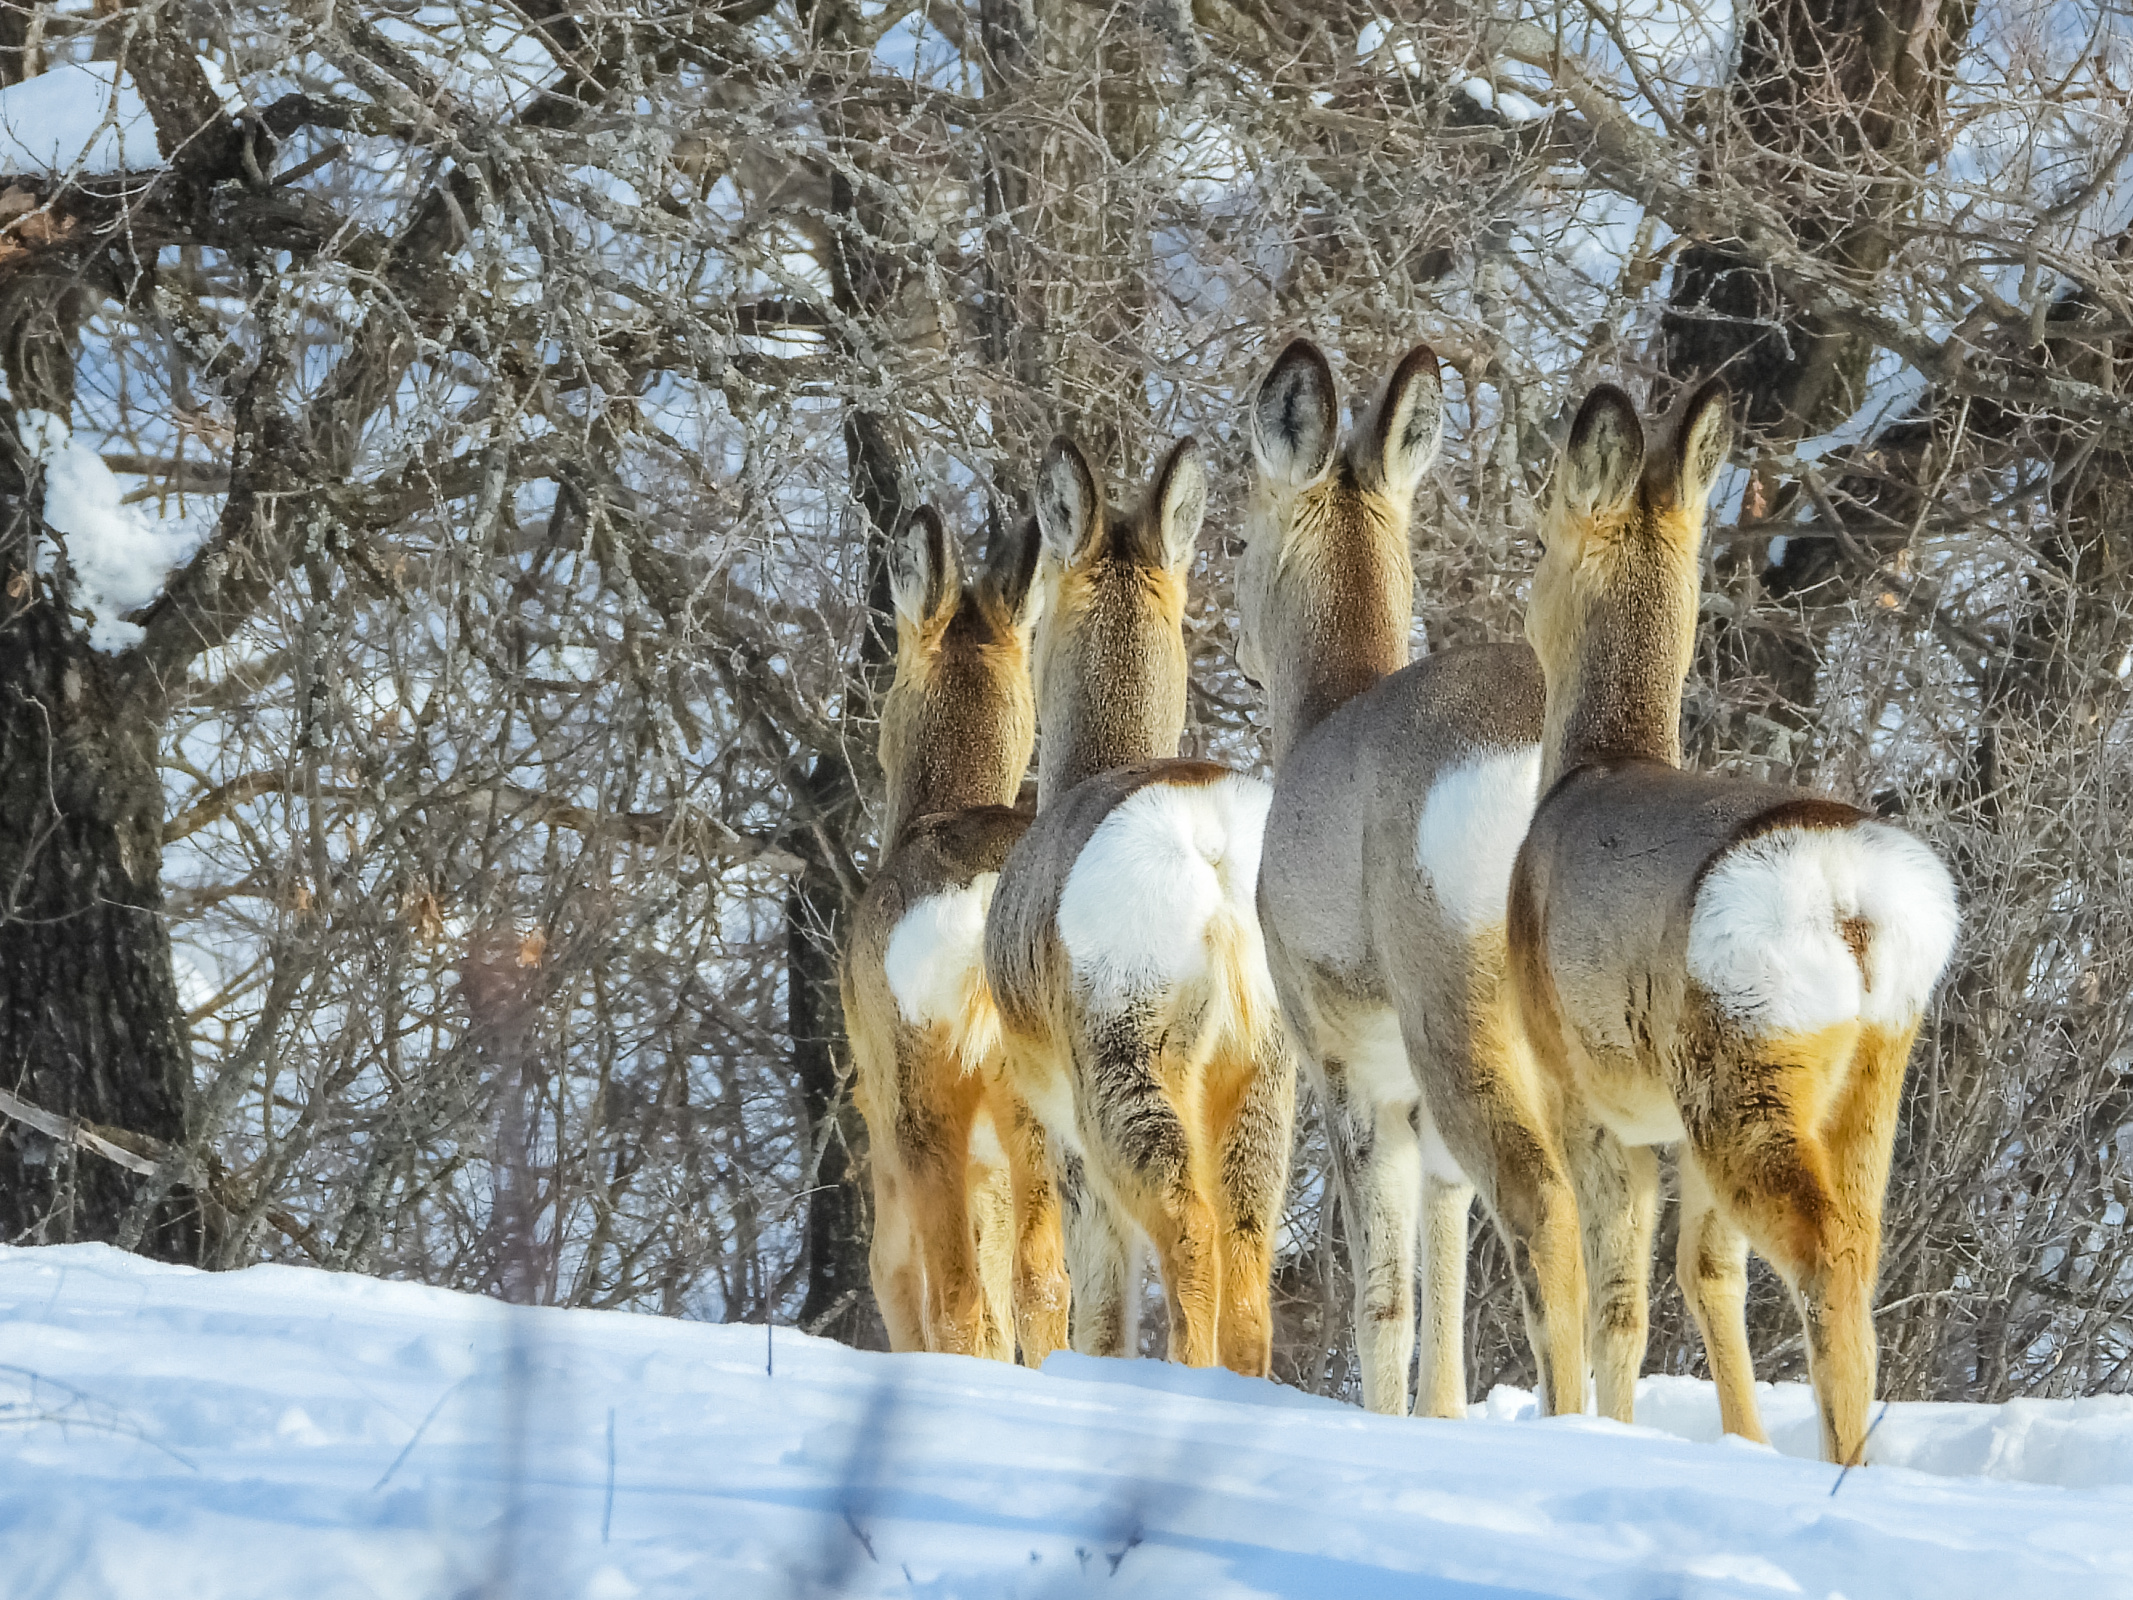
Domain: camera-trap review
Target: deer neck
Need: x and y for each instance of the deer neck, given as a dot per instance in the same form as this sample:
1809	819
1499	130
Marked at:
966	744
1345	606
1620	696
1113	681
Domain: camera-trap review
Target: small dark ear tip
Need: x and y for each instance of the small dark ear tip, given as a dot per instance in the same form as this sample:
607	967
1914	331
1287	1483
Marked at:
1422	358
1301	351
1604	401
1186	449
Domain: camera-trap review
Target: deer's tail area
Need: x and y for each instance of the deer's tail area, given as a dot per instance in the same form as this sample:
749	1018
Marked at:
1160	908
1802	928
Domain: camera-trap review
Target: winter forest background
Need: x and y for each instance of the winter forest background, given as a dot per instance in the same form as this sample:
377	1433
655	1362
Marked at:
440	874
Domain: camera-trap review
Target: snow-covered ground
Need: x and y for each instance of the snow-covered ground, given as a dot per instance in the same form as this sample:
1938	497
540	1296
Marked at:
289	1433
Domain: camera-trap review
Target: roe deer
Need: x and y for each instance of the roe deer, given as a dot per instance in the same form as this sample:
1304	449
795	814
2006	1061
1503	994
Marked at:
955	1155
1401	794
1123	949
1735	967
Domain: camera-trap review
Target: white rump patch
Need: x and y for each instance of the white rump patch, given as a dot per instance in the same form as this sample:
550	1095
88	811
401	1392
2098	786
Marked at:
935	965
1138	906
1767	937
1472	824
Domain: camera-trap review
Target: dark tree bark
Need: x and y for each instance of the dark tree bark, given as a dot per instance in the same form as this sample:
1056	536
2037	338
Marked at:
1831	116
90	1025
865	281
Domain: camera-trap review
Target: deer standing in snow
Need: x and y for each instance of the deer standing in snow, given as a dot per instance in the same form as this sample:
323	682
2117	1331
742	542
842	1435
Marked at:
956	1158
1123	948
1732	967
1401	794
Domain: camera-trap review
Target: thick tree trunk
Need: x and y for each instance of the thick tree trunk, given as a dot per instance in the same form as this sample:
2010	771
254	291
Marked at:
90	1025
1831	116
866	280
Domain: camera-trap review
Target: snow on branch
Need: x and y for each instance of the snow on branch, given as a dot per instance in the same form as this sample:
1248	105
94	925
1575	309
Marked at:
119	557
87	118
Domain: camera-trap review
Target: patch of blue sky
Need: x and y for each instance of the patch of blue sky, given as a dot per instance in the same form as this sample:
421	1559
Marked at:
913	49
1893	390
488	59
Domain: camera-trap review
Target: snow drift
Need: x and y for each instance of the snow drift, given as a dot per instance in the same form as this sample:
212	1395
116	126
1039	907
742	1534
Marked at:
284	1432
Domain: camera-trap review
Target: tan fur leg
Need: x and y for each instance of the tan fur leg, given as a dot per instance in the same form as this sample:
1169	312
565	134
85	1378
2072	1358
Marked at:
1550	1258
1250	1131
1440	1387
1377	1170
1777	1171
1861	1136
1041	1294
893	1262
1711	1265
1618	1208
1498	1117
933	1160
992	1222
1104	1265
1181	1225
1139	1113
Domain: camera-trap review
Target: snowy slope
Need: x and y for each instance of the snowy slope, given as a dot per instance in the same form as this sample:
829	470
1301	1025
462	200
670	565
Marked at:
282	1433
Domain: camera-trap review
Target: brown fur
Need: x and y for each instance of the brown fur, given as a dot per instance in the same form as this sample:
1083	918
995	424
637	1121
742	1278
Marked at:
955	1266
1114	604
1786	1137
1401	1011
1173	1107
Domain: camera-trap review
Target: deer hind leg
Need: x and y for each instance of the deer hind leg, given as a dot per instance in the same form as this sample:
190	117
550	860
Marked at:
893	1260
1252	1100
1377	1168
1777	1171
1618	1207
1102	1263
1041	1293
992	1223
1711	1265
1142	1143
935	1157
1440	1382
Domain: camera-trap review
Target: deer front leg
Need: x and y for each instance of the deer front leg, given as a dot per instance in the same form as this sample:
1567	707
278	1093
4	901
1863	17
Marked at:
1041	1284
1711	1265
1440	1383
1377	1166
1618	1207
1101	1262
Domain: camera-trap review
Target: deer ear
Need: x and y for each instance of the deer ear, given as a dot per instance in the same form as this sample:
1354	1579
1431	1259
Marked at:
1605	456
922	569
1069	500
1013	571
1180	502
1400	440
1704	442
1294	417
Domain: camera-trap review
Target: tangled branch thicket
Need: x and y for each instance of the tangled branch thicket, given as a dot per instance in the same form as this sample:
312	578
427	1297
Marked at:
542	377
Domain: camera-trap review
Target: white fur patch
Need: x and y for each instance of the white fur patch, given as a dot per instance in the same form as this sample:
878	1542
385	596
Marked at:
1472	824
1140	902
1766	937
935	965
985	1147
